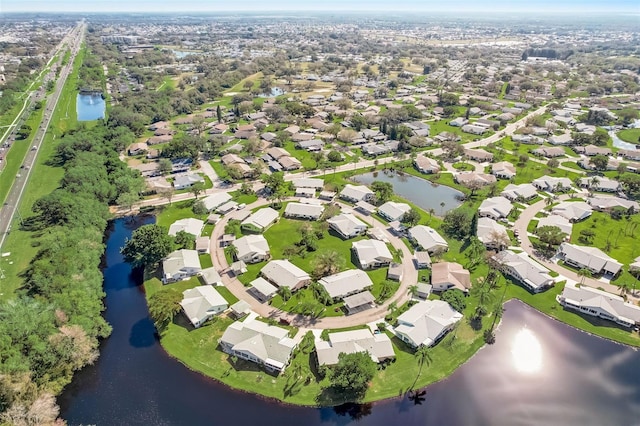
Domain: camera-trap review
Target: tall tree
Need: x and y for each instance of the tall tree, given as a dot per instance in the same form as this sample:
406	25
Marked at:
352	374
163	306
148	245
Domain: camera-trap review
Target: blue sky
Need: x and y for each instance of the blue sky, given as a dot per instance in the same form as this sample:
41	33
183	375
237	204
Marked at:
632	6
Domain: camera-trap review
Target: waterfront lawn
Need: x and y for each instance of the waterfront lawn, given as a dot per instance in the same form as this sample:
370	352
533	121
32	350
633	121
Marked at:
614	235
630	135
546	303
169	213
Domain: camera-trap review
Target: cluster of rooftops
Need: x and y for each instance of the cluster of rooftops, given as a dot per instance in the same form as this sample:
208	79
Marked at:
425	322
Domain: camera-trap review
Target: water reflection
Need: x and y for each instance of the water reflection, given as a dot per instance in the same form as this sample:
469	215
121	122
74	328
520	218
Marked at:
526	352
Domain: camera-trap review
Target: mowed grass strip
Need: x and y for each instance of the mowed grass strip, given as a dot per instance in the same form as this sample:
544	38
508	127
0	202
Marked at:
23	245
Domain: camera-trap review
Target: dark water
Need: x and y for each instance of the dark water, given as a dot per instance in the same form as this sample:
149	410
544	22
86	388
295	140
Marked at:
582	380
419	191
90	107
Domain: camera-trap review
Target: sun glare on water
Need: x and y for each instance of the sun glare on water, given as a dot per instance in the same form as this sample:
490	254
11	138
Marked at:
526	352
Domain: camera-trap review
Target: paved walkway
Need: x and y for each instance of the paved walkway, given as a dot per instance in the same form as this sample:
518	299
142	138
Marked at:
521	224
377	314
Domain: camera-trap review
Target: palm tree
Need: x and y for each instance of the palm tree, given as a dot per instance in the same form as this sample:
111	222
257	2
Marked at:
393	307
231	251
548	201
285	293
423	355
327	263
442	204
431	213
625	288
584	273
413	290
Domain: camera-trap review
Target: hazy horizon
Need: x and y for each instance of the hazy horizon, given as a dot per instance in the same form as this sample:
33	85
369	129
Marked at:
187	6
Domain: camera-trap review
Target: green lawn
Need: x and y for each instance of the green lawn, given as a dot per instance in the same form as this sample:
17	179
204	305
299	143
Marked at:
43	180
169	213
546	303
15	155
617	238
630	135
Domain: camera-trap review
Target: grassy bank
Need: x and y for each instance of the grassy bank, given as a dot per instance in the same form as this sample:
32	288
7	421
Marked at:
43	180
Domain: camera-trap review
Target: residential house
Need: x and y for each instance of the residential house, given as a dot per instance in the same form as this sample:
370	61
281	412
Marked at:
289	163
503	170
608	203
372	253
305	192
600	183
259	342
563	139
446	275
591	258
366	208
355	193
180	265
573	211
313	183
598	303
524	191
347	225
187	180
304	211
630	154
230	159
377	346
238	268
346	283
202	245
210	276
393	211
458	122
492	234
201	303
474	177
359	302
474	129
549	151
227	207
313	145
426	165
592	150
283	273
495	207
427	239
260	220
252	248
525	270
422	259
213	201
552	184
478	155
189	225
262	289
557	221
137	148
426	322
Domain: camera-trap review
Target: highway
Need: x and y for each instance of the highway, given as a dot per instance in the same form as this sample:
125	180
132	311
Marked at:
10	207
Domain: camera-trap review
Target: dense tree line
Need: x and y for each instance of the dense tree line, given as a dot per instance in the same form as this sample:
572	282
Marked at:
52	328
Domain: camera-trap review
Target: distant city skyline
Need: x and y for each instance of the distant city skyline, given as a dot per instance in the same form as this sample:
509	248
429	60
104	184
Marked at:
184	6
